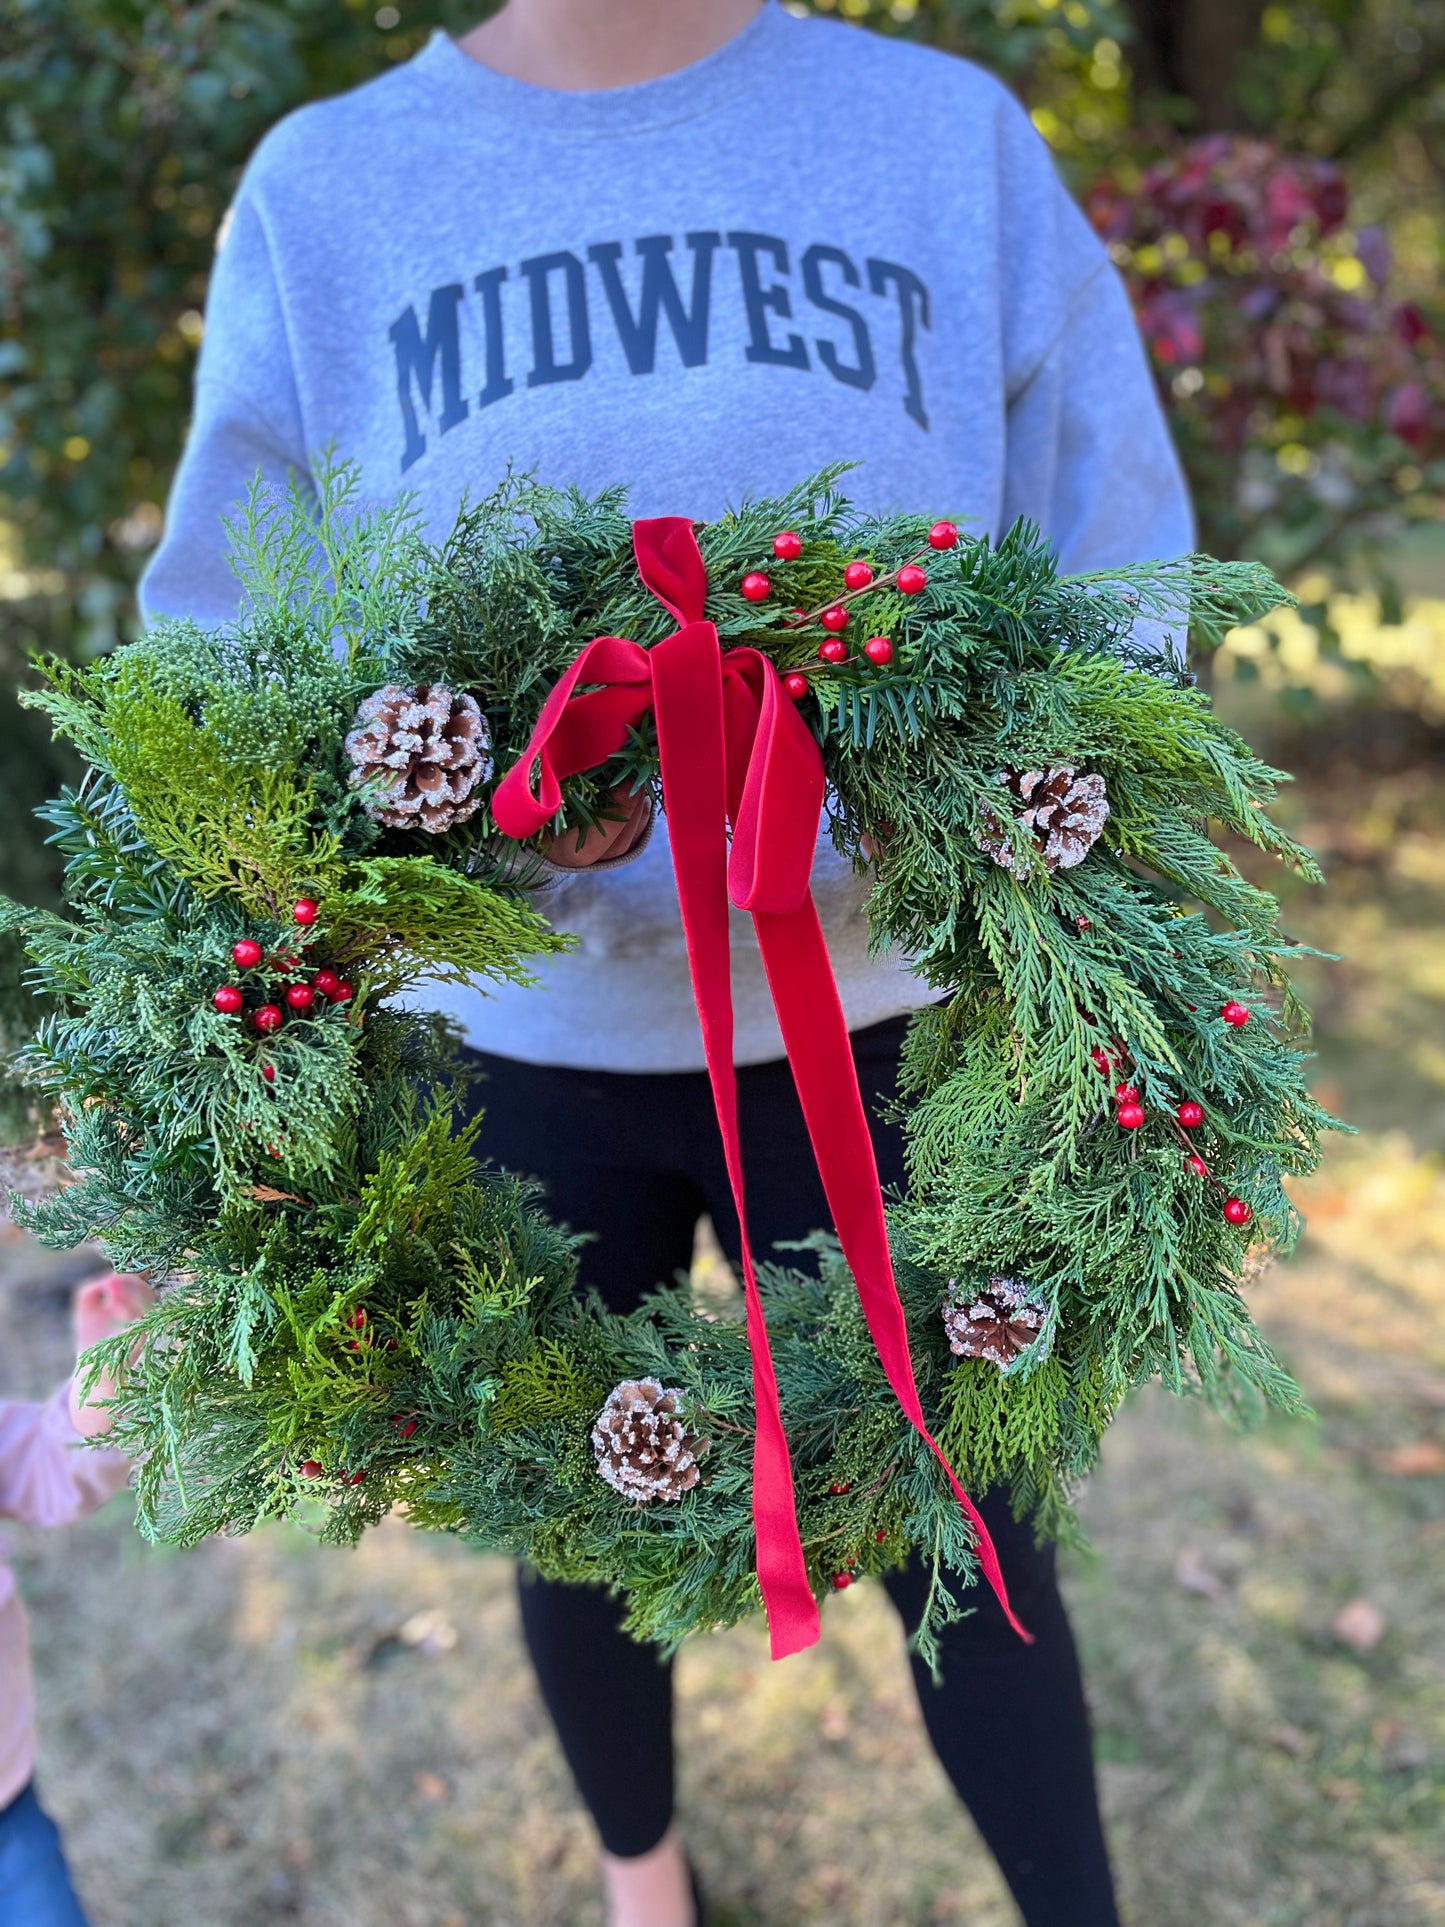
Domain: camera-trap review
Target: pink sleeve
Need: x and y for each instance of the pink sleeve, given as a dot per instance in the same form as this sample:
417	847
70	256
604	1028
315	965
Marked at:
48	1475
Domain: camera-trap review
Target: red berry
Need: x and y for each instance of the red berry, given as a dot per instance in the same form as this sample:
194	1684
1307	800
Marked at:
310	1468
1235	1014
1190	1115
857	575
246	954
796	686
300	996
911	580
787	547
879	1537
835	618
943	535
228	999
1131	1116
305	911
836	1489
268	1017
756	588
833	650
352	1478
268	1071
878	649
343	993
1237	1211
325	983
404	1427
357	1319
1126	1094
1101	1060
1082	923
797	615
1196	1164
842	1580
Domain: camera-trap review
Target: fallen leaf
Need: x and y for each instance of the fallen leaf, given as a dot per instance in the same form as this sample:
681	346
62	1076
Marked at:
833	1722
1420	1459
268	1194
1291	1739
1401	1750
1194	1576
429	1632
1360	1625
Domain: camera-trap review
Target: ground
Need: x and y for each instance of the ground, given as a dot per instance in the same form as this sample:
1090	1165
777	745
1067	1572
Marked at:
265	1732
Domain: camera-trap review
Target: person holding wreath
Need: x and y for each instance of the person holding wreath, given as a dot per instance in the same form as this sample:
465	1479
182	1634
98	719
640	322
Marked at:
700	246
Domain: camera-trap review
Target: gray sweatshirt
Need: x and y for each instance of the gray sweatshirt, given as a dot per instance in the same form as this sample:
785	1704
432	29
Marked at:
814	245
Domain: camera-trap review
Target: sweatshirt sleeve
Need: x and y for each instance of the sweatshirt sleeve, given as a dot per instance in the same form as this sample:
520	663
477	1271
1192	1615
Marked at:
1089	452
49	1476
245	421
1090	456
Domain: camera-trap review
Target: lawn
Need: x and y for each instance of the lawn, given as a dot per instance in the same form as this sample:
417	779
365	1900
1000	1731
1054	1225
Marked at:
266	1732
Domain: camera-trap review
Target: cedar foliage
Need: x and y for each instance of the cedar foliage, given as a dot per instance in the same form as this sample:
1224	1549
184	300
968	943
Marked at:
361	1314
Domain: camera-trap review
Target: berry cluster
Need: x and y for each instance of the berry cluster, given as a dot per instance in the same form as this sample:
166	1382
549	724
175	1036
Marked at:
364	1336
858	579
1130	1115
845	1575
314	1469
298	996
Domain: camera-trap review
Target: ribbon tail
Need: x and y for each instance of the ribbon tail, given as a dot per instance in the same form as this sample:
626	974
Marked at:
820	1052
687	691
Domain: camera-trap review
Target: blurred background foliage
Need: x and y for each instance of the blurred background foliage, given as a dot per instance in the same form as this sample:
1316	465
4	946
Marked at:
1263	1635
1267	177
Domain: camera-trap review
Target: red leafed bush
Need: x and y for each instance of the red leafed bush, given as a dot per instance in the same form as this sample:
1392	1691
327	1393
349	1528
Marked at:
1308	402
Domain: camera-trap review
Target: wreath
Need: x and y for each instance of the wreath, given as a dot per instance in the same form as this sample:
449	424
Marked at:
287	821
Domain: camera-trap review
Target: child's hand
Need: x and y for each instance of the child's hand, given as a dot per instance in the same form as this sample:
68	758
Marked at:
99	1310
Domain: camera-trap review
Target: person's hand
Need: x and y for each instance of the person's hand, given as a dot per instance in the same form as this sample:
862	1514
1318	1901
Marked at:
613	837
99	1309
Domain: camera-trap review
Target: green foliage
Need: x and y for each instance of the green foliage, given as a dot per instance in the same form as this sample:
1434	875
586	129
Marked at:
123	130
360	1315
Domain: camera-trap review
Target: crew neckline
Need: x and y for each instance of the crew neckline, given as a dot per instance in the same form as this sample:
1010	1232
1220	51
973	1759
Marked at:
595	113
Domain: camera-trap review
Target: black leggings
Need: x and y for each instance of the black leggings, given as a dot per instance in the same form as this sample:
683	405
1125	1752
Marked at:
635	1159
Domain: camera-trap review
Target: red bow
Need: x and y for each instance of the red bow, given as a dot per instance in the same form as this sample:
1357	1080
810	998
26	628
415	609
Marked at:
734	750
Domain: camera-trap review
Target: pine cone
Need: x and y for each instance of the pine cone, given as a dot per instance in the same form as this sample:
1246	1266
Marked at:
432	748
997	1325
643	1448
1065	814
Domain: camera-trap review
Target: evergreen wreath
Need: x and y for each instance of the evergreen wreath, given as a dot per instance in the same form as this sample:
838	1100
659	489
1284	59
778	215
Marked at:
285	822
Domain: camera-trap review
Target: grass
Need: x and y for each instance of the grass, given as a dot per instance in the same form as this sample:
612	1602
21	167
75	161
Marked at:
264	1732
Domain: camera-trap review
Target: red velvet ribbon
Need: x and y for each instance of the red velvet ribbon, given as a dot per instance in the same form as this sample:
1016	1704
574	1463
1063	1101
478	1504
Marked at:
734	750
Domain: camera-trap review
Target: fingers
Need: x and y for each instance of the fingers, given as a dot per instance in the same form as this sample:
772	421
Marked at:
103	1305
612	838
131	1296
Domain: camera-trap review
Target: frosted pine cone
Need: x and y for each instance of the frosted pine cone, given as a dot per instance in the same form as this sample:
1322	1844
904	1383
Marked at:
997	1325
432	749
644	1450
1065	814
